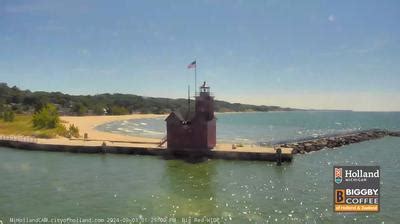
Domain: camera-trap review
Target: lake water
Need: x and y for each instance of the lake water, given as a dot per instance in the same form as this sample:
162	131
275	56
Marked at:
269	127
62	185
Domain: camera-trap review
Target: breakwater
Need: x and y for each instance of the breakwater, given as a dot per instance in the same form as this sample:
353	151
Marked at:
336	141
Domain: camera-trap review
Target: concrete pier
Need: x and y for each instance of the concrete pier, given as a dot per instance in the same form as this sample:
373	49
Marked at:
74	146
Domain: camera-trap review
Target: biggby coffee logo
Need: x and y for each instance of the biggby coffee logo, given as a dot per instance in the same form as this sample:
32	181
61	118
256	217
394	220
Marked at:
338	175
356	188
339	196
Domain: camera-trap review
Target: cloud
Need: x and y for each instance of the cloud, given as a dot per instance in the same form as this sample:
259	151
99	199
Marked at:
84	52
331	18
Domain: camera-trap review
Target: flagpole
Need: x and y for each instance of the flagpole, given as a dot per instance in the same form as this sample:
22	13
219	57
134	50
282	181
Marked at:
188	113
195	77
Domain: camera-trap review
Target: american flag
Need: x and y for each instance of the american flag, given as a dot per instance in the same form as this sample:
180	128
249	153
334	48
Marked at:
192	65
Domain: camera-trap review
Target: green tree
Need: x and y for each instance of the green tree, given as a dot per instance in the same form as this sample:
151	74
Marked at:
80	109
98	110
73	131
8	115
116	110
2	107
46	118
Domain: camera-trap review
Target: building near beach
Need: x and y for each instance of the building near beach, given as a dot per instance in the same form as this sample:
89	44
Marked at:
198	132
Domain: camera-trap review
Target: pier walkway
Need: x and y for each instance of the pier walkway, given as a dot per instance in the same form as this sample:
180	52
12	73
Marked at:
221	151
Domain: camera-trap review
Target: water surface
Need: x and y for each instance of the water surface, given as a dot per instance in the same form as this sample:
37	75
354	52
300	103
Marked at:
270	127
49	184
45	184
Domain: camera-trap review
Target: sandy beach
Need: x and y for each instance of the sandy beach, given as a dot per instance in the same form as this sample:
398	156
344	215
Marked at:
87	124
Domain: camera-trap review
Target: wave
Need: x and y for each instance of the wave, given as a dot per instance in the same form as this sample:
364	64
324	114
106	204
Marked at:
153	132
125	130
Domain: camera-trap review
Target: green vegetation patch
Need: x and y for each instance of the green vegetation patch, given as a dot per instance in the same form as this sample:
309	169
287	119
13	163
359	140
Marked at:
22	125
46	118
7	115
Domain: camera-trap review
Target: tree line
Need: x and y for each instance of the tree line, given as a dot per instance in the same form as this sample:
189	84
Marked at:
26	101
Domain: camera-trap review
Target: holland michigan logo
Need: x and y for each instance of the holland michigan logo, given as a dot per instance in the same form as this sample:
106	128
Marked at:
356	188
338	175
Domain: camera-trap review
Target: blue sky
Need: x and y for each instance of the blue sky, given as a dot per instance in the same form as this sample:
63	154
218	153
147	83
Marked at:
307	54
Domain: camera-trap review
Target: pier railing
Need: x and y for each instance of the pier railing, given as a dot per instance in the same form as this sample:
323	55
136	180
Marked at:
26	139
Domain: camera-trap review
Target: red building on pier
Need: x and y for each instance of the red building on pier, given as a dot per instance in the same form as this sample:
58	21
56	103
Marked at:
197	133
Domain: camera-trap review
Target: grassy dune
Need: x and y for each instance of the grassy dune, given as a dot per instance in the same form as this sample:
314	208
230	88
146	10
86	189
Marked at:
22	125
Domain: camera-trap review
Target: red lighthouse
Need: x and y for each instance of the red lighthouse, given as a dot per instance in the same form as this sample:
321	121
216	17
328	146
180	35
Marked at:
198	133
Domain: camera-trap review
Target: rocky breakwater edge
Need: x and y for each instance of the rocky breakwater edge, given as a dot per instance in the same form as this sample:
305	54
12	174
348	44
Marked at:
336	141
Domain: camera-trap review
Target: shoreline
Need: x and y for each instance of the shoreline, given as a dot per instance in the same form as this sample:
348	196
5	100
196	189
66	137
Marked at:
101	139
106	142
88	124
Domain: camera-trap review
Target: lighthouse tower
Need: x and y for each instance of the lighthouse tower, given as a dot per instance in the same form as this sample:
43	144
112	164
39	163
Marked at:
198	133
204	122
205	103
